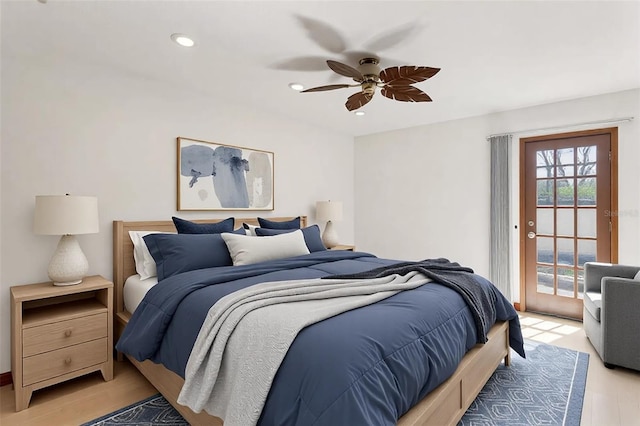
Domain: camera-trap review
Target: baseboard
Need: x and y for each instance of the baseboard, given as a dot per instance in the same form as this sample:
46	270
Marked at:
6	378
517	306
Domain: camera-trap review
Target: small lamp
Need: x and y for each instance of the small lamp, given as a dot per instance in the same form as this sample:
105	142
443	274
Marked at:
329	211
66	215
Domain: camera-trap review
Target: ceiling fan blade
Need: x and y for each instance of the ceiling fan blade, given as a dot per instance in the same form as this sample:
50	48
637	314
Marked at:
301	63
392	37
405	94
325	88
345	70
357	100
323	34
406	75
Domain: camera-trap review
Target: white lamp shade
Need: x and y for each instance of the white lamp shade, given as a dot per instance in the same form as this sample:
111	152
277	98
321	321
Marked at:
328	211
65	215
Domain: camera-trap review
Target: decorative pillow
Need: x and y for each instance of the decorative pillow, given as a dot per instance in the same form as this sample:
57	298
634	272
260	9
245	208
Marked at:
290	224
637	277
176	253
145	265
187	227
245	250
250	229
311	236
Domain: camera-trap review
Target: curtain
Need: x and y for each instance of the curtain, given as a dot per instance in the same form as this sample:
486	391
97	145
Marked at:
500	267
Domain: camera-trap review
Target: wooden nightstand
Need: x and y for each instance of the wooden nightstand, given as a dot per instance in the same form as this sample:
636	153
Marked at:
344	247
59	333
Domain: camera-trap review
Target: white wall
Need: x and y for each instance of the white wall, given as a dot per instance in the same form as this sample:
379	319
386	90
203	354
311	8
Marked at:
80	129
424	192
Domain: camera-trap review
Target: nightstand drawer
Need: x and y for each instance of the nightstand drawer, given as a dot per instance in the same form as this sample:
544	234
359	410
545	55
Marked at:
49	337
56	363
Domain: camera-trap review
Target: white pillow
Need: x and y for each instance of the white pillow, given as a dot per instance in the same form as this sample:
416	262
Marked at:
637	277
245	250
145	265
250	229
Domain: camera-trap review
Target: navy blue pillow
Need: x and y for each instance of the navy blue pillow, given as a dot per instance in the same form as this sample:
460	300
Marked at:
176	253
187	227
311	236
290	224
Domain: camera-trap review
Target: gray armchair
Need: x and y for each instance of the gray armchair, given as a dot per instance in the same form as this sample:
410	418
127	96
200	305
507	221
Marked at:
611	317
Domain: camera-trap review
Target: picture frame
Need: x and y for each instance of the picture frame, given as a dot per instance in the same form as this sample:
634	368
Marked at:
212	176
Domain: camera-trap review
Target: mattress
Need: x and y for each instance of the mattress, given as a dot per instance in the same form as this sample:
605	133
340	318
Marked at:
135	290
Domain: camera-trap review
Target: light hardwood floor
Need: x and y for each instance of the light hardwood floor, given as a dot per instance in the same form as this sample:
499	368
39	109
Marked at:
612	396
78	400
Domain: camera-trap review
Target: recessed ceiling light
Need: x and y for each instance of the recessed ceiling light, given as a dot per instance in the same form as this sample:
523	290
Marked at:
359	113
183	40
296	86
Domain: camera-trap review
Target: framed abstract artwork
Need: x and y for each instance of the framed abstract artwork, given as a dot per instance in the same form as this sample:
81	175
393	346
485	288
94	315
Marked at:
223	177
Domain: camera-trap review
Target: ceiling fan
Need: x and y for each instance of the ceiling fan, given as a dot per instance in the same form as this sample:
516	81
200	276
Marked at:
394	82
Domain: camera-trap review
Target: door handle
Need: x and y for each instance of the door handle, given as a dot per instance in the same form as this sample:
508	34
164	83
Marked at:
531	235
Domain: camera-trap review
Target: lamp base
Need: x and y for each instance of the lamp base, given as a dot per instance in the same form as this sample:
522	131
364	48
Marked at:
67	283
68	265
330	236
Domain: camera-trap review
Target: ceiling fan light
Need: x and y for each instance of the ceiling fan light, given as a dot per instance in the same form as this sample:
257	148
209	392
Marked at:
359	113
296	86
183	40
369	68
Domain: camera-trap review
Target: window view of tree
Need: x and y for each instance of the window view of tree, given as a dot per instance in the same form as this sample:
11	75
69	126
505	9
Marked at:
550	166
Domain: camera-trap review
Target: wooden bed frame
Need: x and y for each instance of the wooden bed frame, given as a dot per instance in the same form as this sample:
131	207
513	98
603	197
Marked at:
444	405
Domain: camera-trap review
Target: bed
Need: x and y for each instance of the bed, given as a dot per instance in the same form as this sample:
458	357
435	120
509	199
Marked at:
443	405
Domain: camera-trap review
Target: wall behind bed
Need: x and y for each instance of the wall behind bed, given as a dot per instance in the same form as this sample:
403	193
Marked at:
79	128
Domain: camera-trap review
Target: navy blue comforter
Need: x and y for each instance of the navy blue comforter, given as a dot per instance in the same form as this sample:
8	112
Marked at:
367	366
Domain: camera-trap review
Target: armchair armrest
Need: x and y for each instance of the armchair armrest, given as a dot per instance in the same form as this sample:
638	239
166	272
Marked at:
595	271
620	320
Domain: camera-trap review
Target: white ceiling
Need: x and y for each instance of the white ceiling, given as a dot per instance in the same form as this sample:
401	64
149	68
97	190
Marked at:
494	56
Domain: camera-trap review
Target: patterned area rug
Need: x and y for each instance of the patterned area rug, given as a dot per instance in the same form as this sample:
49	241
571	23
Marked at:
547	388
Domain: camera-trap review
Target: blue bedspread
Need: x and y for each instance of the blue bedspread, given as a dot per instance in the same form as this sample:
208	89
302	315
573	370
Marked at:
366	366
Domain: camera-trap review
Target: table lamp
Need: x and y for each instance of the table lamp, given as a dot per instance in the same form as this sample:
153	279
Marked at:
66	215
329	211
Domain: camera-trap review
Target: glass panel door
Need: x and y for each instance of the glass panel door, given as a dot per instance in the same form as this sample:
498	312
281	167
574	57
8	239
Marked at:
567	195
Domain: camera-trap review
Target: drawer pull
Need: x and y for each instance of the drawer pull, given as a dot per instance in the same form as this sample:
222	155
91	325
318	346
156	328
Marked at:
67	333
67	360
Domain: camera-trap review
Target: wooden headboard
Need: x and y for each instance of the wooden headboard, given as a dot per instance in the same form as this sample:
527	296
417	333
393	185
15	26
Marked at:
123	262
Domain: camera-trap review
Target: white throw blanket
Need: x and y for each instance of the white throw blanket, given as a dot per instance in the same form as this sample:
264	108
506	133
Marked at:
253	328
